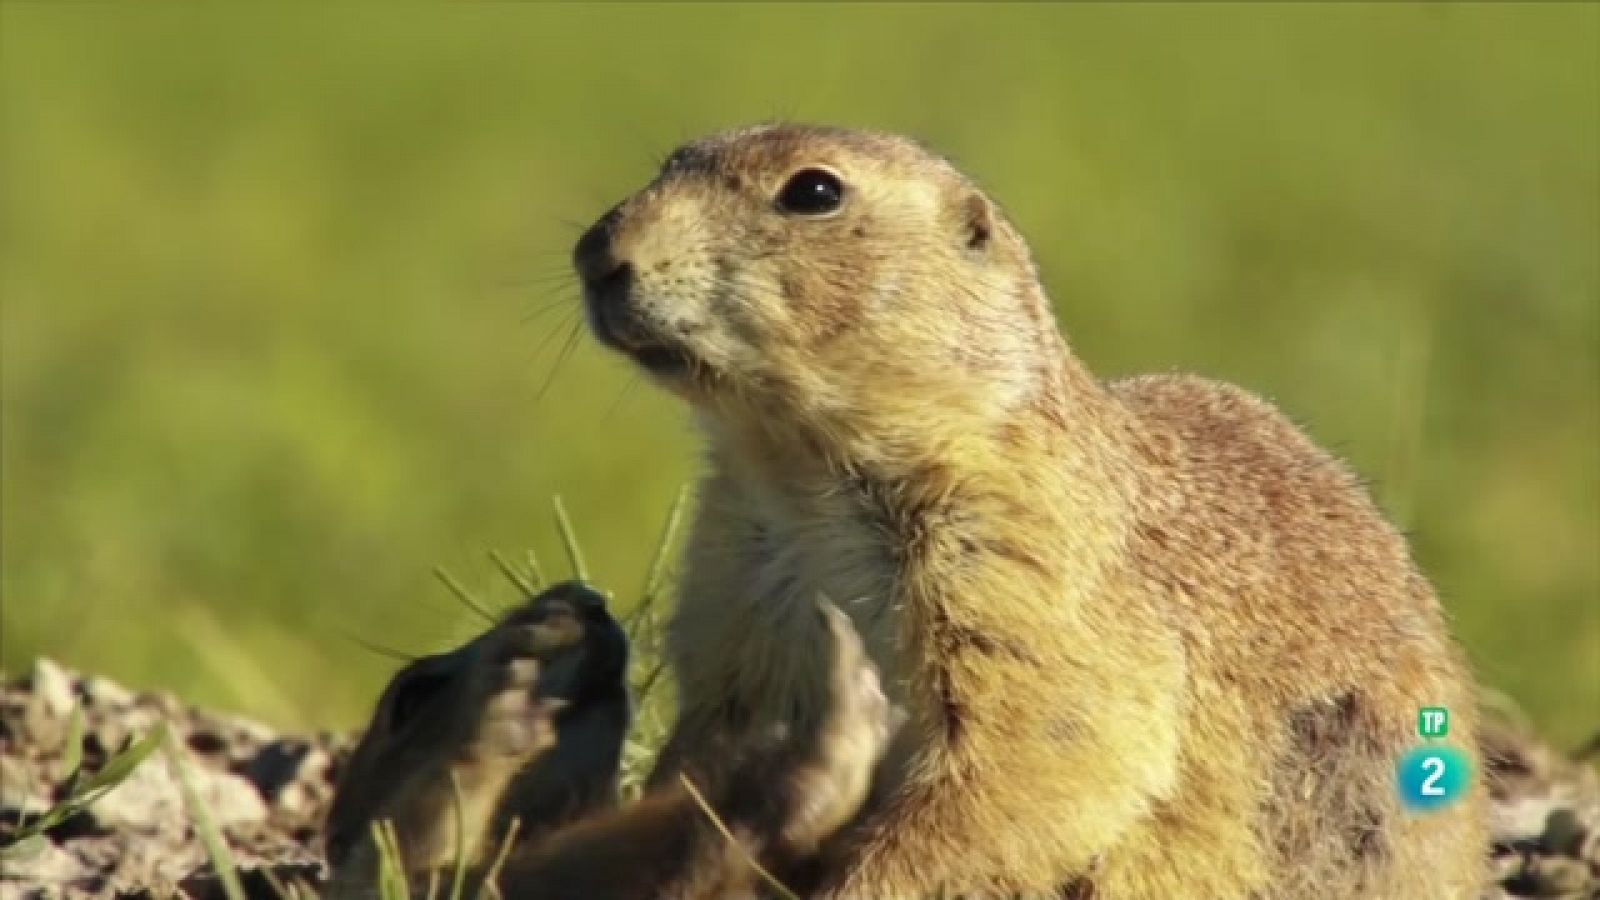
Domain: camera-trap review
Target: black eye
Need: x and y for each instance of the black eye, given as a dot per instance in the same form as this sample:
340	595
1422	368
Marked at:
811	192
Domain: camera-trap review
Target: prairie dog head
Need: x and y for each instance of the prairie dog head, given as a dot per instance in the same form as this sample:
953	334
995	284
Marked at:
817	276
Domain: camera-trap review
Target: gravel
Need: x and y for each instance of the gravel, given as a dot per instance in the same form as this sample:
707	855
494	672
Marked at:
268	793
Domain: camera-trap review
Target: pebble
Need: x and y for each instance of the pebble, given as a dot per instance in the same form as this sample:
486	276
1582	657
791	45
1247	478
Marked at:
52	689
1519	820
151	797
19	790
45	865
49	705
105	693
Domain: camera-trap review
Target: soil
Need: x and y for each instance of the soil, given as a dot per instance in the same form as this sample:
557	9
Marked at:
268	793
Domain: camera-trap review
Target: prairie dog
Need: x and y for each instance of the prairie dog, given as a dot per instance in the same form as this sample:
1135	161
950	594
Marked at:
529	720
529	717
1152	641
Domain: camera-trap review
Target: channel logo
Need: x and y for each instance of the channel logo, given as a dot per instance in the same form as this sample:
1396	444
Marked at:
1434	775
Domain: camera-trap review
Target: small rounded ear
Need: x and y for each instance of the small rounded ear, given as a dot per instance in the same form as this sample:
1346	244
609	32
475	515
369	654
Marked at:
977	221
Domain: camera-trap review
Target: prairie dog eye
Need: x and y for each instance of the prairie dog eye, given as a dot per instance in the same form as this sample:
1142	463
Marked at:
811	192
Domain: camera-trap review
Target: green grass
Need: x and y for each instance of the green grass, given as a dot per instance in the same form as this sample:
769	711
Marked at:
79	789
284	290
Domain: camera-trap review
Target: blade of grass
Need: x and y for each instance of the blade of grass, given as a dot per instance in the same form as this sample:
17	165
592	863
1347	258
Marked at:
21	843
569	539
72	747
279	889
512	575
459	806
716	820
658	563
649	682
399	882
388	861
534	568
491	878
462	594
119	767
24	848
206	827
86	790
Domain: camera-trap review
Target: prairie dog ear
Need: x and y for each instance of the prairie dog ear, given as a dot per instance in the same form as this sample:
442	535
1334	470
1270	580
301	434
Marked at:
977	221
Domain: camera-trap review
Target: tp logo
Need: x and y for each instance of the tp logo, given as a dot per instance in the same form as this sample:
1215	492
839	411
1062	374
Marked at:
1433	776
1433	721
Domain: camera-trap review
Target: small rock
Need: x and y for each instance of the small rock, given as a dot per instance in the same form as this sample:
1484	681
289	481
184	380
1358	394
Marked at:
232	799
49	705
42	863
52	689
138	720
19	790
106	694
1518	821
163	702
148	798
156	861
301	800
151	797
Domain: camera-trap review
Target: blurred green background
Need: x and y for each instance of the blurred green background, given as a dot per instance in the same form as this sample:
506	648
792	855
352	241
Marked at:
282	287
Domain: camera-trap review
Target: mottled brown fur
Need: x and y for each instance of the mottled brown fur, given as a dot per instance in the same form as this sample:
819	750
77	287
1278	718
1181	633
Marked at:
529	717
1148	635
510	716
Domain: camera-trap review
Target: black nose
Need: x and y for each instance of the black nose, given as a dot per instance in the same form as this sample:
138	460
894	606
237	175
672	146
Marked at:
607	282
593	257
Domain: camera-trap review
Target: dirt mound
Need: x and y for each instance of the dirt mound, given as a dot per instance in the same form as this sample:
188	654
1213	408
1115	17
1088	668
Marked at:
268	794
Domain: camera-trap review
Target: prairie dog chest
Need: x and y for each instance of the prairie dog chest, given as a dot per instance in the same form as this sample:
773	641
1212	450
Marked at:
845	560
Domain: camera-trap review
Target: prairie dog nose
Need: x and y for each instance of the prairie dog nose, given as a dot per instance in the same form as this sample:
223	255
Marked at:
594	255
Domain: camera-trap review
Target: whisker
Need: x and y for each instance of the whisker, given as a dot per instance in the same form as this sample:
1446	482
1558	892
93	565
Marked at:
567	346
375	647
553	278
542	309
622	395
557	328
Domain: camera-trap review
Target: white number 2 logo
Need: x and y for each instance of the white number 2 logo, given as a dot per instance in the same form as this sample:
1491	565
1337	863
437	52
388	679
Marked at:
1430	785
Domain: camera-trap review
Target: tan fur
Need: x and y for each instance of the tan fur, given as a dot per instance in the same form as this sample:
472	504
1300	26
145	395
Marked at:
1148	635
